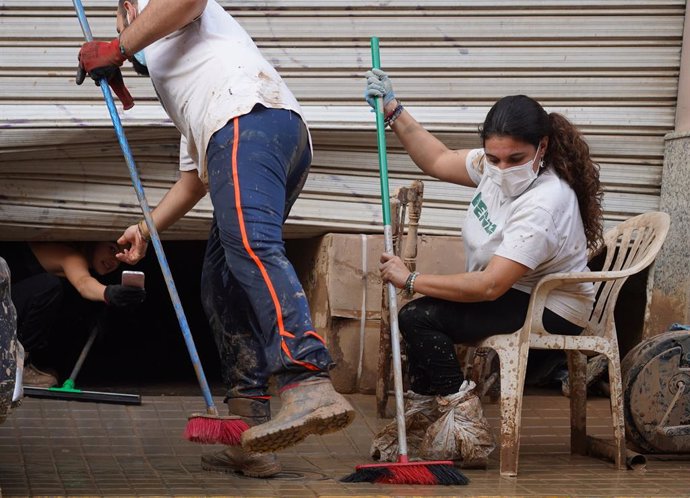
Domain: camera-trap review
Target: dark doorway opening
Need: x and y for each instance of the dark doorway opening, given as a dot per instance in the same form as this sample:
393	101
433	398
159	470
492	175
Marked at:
141	348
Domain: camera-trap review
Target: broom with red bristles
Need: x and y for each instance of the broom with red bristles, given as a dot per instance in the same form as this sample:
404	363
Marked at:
403	471
208	427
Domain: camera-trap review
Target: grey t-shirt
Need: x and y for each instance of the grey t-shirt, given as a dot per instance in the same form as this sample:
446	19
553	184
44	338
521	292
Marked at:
540	229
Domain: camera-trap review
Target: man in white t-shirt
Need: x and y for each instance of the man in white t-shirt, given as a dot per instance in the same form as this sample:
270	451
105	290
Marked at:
244	139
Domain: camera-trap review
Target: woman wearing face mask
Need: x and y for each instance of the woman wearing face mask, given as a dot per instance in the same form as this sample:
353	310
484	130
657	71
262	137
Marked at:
536	210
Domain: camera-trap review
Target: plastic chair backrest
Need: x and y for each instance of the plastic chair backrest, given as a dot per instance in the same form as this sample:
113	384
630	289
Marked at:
630	247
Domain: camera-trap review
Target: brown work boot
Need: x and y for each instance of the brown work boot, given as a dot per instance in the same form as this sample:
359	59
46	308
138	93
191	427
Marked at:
33	377
310	407
237	459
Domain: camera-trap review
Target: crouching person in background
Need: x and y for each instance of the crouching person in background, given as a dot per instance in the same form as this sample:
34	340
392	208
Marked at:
39	270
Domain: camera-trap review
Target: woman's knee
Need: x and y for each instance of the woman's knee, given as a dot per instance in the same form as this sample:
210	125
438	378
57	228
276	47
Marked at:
410	320
406	317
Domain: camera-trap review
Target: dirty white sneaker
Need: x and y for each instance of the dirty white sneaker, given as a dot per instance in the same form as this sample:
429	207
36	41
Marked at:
33	377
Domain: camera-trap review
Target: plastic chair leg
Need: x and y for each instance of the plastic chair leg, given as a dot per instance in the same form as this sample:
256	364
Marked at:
513	364
616	386
577	372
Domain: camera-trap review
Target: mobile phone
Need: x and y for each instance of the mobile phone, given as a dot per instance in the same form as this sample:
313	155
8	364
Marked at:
133	278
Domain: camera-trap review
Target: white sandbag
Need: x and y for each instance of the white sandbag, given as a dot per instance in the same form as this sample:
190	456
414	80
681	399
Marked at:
420	412
461	431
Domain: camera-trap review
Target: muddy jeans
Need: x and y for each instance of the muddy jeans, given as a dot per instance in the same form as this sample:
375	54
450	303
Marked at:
257	309
431	328
8	342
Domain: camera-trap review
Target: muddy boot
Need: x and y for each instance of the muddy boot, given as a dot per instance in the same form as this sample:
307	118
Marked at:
309	407
237	459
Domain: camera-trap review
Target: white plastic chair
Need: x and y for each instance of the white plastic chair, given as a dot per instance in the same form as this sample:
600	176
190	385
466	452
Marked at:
630	247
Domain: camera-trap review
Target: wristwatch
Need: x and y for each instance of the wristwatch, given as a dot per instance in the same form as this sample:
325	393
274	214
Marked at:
123	52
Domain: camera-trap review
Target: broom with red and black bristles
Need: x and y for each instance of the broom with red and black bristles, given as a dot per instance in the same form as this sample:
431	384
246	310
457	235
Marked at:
208	427
403	471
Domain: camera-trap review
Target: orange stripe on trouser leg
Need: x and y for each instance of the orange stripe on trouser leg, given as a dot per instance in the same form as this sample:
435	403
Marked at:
312	333
308	366
252	254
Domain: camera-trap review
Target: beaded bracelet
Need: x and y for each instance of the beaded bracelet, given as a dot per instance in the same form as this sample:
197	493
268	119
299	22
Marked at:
141	231
390	119
409	283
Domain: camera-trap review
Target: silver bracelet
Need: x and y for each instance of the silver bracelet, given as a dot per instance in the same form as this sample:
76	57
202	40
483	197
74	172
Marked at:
409	283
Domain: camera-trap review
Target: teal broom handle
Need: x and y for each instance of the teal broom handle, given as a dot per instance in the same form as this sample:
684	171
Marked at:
388	246
381	140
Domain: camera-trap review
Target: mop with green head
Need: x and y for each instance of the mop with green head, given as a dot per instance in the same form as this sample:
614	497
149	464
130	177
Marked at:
68	391
403	471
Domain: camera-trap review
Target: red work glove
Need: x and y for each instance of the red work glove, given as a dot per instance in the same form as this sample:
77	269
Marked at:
103	60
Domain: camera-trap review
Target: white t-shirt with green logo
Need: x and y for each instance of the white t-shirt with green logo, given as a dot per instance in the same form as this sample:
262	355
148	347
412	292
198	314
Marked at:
540	229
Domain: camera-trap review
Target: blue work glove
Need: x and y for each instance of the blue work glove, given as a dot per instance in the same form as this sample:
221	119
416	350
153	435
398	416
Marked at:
378	85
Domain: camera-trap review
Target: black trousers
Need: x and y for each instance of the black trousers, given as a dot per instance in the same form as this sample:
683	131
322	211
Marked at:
38	300
431	328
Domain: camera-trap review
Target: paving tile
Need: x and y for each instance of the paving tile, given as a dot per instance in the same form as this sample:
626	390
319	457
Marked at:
54	447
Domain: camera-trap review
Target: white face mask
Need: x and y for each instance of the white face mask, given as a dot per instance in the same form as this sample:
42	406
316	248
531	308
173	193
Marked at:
139	59
514	180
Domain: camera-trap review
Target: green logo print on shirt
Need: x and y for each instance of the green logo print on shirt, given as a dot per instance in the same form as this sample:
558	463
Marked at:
482	213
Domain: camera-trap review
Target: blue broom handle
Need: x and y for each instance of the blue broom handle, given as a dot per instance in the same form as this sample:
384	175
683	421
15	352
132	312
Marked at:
388	247
146	210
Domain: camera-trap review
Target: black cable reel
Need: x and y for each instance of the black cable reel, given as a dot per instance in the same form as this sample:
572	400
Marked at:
656	390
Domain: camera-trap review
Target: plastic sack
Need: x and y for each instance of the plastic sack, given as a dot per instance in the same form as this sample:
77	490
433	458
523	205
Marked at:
461	432
420	412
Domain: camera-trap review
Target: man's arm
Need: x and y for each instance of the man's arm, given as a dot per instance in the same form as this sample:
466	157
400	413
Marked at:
76	269
182	197
65	261
157	20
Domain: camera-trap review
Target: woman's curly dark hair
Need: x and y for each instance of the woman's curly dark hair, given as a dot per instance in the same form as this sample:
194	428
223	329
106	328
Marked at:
522	117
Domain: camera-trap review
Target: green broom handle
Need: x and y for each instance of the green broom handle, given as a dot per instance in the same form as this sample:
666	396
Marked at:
388	246
381	140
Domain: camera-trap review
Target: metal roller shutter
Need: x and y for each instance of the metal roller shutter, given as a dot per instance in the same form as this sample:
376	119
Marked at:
611	66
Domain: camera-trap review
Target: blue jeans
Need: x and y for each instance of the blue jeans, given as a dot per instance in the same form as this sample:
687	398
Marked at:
257	309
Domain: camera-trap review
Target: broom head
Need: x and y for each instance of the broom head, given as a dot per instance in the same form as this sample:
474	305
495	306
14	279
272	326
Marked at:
214	429
426	473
